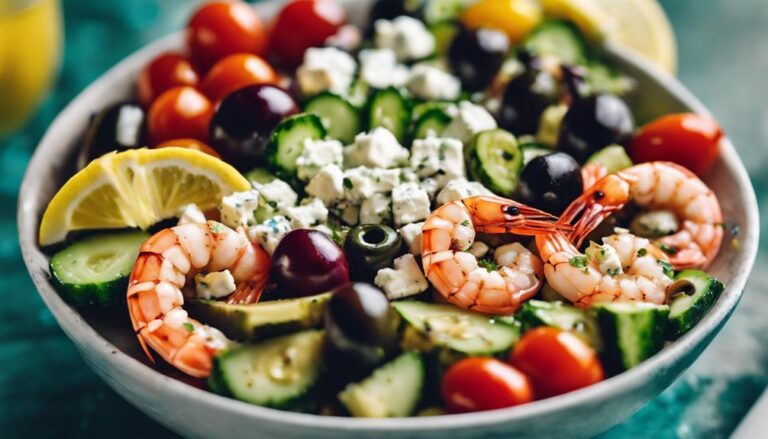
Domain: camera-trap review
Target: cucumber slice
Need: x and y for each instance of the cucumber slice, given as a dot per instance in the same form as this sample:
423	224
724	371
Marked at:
279	372
560	39
437	11
496	161
632	333
95	271
261	320
536	313
444	32
260	175
614	158
694	292
422	108
339	116
392	391
533	150
604	79
287	143
433	122
390	109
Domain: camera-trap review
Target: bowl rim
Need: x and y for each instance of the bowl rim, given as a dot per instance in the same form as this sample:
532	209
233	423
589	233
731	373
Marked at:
112	357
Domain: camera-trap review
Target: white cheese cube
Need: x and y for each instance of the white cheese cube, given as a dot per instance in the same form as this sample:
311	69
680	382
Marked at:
411	235
214	285
269	233
408	37
410	203
327	184
376	149
432	186
406	279
479	249
191	214
237	209
348	212
379	68
316	154
376	210
432	83
461	188
470	120
277	195
308	214
439	158
325	69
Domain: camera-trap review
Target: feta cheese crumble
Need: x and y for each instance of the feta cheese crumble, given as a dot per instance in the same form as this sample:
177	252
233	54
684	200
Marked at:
214	285
376	210
411	235
410	203
439	158
470	120
379	69
316	154
606	257
376	149
276	195
432	83
408	37
404	280
308	214
237	209
327	184
269	233
325	69
461	188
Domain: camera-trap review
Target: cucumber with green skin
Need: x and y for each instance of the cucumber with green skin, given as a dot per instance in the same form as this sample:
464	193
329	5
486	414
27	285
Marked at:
432	122
613	158
535	313
340	117
496	161
444	32
287	143
261	320
694	292
391	109
259	175
560	39
95	271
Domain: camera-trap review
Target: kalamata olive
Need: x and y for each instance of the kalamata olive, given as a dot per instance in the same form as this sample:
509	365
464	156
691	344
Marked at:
243	123
361	329
550	182
525	98
118	127
476	56
594	122
369	248
307	262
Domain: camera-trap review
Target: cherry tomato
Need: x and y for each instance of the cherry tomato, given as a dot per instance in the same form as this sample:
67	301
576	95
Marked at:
190	144
556	361
516	18
235	72
688	139
303	24
163	73
181	112
477	383
222	28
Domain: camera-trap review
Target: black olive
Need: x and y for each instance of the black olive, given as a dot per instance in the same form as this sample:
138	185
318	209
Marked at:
118	127
550	182
526	97
477	55
594	122
369	248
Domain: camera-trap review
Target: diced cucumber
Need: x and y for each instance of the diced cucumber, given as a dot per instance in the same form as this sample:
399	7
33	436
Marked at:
536	313
390	109
444	32
95	270
392	391
693	293
496	161
604	79
533	150
436	11
422	108
340	118
632	332
614	158
433	122
287	143
560	39
279	372
260	175
263	319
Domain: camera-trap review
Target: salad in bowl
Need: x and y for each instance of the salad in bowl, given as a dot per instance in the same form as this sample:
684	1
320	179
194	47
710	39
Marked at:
447	209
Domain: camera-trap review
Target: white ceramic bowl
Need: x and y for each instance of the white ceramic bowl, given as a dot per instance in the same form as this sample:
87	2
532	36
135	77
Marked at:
111	349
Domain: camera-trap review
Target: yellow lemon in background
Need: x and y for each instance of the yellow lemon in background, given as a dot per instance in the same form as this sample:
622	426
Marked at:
516	18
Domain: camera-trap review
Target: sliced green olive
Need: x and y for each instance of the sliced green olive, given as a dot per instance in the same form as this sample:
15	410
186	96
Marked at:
369	248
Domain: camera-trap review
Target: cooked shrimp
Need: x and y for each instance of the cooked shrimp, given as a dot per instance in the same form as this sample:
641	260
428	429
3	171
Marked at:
497	287
165	263
657	186
625	268
592	173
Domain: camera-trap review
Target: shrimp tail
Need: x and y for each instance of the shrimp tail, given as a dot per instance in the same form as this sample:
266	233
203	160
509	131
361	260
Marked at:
247	293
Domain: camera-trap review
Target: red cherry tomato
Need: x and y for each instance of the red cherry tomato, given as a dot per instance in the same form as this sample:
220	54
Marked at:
556	361
163	73
235	72
303	24
475	384
189	144
181	112
688	139
221	28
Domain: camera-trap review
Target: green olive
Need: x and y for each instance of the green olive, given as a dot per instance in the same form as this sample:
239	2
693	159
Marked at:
369	248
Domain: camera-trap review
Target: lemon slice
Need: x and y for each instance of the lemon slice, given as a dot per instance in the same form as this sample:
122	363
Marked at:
587	15
137	188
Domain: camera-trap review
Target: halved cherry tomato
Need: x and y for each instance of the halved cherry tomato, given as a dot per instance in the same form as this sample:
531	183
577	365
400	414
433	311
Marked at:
235	72
556	361
163	73
303	24
181	112
189	144
688	139
477	383
516	18
221	28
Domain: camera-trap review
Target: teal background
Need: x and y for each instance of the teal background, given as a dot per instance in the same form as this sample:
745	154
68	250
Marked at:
47	391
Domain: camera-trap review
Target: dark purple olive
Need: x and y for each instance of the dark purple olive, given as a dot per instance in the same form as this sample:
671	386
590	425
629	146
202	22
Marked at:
593	123
526	97
550	182
116	128
361	329
476	56
307	262
243	123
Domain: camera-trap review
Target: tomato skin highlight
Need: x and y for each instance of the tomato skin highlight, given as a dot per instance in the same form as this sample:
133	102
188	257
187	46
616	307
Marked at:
303	24
235	72
163	73
556	361
479	383
181	112
189	144
688	139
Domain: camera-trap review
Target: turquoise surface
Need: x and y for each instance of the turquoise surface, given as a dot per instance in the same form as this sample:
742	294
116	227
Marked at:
47	391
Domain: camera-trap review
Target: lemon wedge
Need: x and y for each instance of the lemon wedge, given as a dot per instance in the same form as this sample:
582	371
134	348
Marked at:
137	188
587	15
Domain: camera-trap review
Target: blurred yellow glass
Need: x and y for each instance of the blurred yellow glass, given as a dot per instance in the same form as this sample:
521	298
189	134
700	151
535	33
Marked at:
30	46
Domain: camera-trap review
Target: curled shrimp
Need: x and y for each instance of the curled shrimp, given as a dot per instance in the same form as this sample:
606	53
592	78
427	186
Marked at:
166	261
656	185
625	268
498	288
592	173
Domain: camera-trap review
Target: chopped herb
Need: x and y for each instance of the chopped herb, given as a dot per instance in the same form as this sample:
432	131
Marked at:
215	227
642	252
348	183
441	152
465	223
272	204
578	261
488	264
613	272
189	326
669	249
667	267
